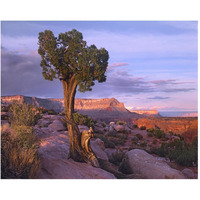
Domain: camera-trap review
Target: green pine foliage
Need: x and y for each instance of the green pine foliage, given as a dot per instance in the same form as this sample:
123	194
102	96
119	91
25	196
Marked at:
68	55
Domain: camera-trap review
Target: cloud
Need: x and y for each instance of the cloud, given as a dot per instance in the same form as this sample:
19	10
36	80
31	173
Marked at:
158	97
117	65
22	74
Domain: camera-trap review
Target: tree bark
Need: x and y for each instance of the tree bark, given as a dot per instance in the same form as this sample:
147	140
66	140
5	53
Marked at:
77	153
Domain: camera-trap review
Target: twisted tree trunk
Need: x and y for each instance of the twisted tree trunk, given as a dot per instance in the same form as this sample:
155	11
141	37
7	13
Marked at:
77	153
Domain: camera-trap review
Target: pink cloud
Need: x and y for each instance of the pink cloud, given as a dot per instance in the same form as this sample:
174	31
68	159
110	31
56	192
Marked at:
117	65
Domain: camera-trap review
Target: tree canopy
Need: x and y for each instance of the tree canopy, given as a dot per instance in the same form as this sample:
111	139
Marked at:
68	56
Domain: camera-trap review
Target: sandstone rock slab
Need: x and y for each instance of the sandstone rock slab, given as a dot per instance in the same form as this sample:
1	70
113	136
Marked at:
98	148
57	125
140	162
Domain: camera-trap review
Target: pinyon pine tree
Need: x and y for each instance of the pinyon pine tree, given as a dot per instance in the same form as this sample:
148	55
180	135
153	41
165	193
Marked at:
69	59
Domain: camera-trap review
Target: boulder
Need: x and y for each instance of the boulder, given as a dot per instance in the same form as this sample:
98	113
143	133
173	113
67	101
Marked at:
43	123
188	173
57	125
140	162
98	148
119	128
111	129
54	151
112	123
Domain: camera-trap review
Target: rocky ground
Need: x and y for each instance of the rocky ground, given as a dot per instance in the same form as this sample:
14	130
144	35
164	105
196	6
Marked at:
126	160
123	151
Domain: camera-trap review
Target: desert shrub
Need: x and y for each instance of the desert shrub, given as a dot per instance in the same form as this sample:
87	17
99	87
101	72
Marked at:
135	126
52	112
161	151
154	141
22	114
116	141
134	139
142	127
107	143
83	120
159	133
41	110
183	153
19	158
103	124
121	136
121	123
164	139
126	132
117	157
151	130
4	108
143	144
4	117
112	133
178	151
186	156
149	134
171	133
27	139
139	136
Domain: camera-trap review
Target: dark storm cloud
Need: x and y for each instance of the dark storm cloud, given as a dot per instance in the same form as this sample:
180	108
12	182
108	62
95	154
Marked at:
21	74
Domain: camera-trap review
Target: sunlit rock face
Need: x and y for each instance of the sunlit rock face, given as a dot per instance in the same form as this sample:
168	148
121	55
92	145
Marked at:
176	125
146	112
96	108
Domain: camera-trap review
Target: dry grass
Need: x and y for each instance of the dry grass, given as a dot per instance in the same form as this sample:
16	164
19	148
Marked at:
19	159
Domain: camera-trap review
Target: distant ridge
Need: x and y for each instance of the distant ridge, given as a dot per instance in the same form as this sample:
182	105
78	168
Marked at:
107	108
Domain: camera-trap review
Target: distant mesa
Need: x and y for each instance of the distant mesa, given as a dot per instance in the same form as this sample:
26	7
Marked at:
190	115
107	108
146	112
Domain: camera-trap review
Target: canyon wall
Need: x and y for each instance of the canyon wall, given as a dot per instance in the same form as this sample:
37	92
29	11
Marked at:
146	112
177	125
96	108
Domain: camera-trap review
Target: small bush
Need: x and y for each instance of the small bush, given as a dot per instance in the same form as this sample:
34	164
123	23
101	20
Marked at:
142	127
4	117
22	114
143	144
116	141
159	133
4	109
19	157
107	143
154	141
117	157
52	112
151	130
178	151
149	134
103	124
122	136
121	123
83	120
112	133
134	139
139	136
135	126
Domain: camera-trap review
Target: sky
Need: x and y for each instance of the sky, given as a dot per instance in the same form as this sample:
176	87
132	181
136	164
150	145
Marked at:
152	65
